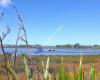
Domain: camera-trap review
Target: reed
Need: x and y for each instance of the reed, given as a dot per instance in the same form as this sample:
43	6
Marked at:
61	74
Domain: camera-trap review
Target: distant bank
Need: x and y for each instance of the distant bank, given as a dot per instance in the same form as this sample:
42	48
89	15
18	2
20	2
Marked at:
65	46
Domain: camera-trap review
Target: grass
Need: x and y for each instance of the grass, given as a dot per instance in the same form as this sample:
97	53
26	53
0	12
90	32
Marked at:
53	68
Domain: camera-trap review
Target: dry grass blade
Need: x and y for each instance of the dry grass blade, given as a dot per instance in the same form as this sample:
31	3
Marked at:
27	70
11	71
46	74
80	71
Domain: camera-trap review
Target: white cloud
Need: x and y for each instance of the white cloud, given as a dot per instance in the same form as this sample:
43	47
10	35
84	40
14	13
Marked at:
5	3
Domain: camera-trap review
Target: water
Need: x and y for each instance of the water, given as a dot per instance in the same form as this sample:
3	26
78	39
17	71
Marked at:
33	51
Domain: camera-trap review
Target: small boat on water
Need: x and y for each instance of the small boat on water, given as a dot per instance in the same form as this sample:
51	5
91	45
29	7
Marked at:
51	49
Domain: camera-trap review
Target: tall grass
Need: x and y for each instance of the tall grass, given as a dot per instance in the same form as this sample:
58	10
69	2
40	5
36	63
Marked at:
92	72
27	69
62	73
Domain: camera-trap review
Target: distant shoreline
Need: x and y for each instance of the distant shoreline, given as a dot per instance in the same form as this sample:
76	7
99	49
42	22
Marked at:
66	46
54	48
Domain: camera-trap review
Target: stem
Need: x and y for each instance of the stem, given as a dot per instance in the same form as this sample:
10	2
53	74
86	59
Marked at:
4	57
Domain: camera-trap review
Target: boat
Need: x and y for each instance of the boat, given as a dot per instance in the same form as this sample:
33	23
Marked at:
51	49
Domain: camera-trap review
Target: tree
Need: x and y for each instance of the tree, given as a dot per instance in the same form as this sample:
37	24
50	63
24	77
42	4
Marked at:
76	45
69	46
96	46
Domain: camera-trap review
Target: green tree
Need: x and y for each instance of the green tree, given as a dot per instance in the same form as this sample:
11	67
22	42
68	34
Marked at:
76	45
69	46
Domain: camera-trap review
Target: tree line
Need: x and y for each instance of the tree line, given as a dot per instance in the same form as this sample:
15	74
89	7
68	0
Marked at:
77	46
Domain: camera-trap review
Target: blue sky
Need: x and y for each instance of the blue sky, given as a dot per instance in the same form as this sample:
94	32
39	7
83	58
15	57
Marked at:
43	19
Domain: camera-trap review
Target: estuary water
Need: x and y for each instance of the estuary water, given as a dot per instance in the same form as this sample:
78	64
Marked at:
41	51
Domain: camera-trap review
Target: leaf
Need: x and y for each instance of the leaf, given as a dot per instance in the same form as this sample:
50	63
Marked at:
62	72
80	75
92	72
27	70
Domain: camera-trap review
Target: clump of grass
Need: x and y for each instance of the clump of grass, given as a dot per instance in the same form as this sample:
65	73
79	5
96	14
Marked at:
62	73
11	71
27	69
92	72
80	71
46	74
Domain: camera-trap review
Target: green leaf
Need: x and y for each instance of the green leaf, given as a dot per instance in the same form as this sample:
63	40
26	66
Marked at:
92	72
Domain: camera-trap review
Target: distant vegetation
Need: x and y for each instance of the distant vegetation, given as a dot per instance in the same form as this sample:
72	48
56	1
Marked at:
77	46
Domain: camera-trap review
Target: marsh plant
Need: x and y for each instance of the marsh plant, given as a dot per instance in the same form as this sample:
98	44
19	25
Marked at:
62	74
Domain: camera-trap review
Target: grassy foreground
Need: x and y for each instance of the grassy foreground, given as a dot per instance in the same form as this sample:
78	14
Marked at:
51	68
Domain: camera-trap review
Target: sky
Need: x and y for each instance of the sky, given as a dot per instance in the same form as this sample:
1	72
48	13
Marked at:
53	22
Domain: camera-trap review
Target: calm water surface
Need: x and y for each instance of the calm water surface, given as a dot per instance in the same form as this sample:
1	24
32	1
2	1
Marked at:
33	51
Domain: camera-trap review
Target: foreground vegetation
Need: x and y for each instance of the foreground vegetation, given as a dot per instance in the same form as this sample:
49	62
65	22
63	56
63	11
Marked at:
51	68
